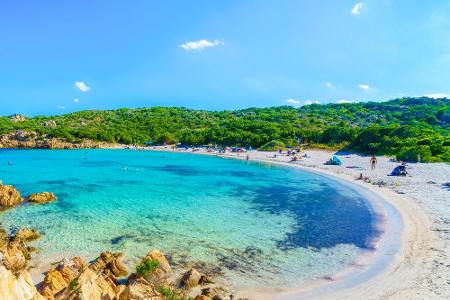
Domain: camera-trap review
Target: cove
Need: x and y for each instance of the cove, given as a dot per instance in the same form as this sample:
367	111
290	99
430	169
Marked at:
252	223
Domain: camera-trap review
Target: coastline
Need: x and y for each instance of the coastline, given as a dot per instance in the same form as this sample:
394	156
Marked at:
406	272
402	273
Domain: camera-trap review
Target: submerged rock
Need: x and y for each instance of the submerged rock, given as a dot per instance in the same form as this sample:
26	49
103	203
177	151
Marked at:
44	197
9	196
27	235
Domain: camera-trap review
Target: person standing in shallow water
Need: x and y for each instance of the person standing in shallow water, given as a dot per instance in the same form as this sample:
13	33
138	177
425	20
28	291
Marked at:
373	162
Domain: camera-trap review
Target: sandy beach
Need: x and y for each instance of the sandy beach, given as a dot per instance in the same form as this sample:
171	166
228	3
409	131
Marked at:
420	268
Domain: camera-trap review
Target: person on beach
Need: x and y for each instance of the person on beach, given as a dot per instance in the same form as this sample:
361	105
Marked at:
373	162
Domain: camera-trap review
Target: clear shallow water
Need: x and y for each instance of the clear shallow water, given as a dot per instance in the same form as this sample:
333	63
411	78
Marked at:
257	224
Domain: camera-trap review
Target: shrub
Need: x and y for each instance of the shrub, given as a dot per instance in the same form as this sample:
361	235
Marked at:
147	266
73	284
411	154
171	295
273	146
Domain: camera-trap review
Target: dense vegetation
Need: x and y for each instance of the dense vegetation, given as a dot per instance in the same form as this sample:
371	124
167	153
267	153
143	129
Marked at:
405	127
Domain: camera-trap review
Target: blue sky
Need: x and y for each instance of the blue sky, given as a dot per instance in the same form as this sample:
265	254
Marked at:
62	56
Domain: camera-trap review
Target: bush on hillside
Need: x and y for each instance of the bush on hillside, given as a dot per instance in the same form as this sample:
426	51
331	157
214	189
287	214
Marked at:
273	146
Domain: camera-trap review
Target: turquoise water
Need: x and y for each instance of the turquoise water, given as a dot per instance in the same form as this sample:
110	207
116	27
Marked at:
255	224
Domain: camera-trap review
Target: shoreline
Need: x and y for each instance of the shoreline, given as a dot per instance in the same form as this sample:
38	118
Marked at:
360	278
404	266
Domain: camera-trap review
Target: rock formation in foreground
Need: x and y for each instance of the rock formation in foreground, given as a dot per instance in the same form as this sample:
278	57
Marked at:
15	281
75	279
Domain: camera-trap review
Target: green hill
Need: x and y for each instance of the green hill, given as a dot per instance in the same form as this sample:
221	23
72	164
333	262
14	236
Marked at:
403	127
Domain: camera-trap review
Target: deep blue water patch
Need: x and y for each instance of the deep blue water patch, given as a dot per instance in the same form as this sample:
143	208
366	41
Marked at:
325	218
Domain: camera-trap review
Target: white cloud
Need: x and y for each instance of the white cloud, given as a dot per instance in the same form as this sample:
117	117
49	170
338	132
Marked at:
438	95
82	86
60	107
344	101
356	11
76	100
329	85
364	86
309	102
200	45
293	101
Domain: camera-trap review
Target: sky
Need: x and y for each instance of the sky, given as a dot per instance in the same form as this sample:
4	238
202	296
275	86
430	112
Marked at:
62	56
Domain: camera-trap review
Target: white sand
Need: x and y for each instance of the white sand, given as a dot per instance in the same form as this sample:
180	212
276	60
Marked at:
420	269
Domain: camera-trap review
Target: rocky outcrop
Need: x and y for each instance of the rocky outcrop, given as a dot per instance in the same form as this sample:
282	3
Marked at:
9	196
59	278
44	197
31	139
109	262
17	286
15	281
90	285
17	118
50	123
73	279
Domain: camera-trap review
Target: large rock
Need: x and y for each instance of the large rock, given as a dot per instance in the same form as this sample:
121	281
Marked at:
191	278
73	279
111	262
15	256
157	277
9	196
15	281
89	286
139	289
44	197
17	286
59	278
161	258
